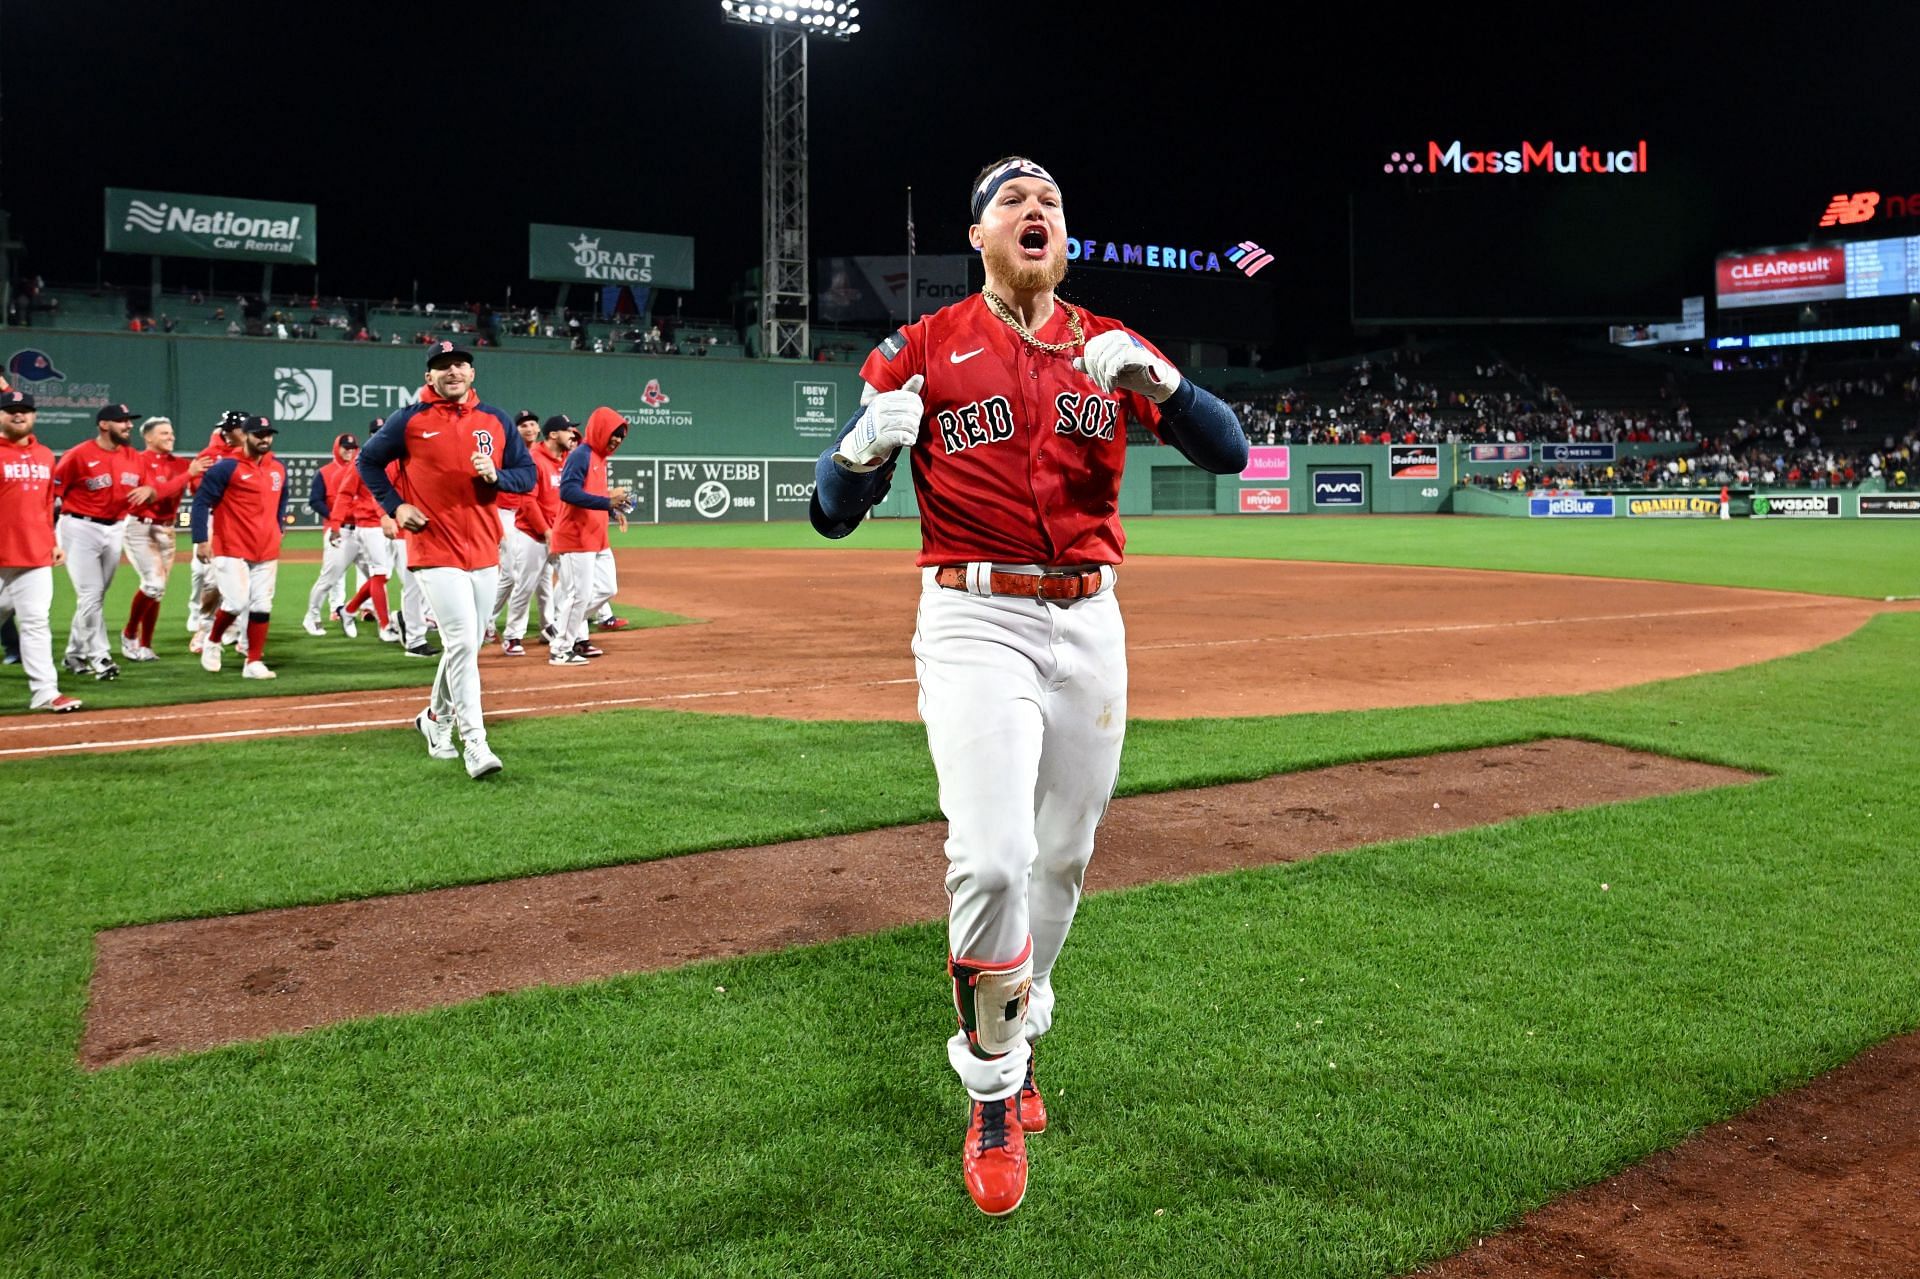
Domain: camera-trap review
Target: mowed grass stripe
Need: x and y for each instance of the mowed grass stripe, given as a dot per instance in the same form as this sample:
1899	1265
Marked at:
1341	1068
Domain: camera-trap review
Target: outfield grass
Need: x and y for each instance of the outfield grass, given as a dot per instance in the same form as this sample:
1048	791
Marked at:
1339	1068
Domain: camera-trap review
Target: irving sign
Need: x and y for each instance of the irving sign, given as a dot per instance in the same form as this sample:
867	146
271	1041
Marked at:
168	224
584	255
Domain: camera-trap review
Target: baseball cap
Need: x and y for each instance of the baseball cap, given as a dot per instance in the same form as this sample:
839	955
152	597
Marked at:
558	422
115	413
347	442
15	400
375	425
233	420
447	352
525	415
260	426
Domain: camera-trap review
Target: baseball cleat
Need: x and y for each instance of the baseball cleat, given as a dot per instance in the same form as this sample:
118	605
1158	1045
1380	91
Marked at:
994	1161
566	657
313	627
548	634
198	642
1033	1107
493	633
129	647
439	735
257	670
584	649
481	762
349	627
140	653
389	634
74	665
614	624
61	704
209	656
513	647
103	668
422	649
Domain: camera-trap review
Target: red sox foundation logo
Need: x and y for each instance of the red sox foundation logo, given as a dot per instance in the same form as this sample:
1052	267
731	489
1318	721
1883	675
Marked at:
653	396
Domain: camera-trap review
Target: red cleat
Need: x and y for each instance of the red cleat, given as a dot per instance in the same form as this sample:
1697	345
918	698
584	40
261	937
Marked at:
62	704
1033	1107
613	624
994	1161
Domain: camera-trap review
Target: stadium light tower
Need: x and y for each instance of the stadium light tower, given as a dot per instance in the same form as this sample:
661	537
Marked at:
785	300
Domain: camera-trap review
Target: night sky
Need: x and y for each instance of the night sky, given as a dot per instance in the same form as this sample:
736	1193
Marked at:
429	136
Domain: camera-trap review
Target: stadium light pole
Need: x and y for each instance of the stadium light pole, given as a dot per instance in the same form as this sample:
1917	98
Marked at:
785	299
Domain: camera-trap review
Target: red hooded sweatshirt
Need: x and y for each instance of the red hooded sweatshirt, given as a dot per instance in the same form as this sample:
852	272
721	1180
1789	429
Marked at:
582	525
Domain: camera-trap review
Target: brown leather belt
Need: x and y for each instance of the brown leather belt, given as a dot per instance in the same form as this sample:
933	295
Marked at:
1053	584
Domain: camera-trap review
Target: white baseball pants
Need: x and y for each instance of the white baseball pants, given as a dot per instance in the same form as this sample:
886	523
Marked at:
246	586
1025	705
150	549
574	599
460	599
523	560
364	547
606	584
199	581
413	604
93	553
26	595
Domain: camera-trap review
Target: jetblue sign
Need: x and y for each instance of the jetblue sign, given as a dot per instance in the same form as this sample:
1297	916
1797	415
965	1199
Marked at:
1573	506
1340	488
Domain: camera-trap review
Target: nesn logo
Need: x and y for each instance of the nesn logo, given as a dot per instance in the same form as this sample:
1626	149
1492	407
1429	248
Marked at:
1249	257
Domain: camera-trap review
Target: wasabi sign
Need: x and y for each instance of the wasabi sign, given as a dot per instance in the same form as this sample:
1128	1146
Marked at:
586	255
169	224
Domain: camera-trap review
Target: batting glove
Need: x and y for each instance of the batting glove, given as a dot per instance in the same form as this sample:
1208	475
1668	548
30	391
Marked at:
1116	361
892	421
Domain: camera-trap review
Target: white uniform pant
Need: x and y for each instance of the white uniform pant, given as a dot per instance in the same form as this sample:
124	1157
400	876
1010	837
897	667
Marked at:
150	549
246	587
363	547
460	599
606	584
93	553
26	595
413	604
1025	705
199	582
574	599
523	560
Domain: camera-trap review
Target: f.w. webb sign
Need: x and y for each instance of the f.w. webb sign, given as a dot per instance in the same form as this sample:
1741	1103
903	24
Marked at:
588	255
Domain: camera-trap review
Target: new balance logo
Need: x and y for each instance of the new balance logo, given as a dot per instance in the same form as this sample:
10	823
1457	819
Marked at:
1846	210
958	358
1249	257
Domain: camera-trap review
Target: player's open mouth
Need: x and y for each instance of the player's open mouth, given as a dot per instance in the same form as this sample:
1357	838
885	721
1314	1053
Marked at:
1033	242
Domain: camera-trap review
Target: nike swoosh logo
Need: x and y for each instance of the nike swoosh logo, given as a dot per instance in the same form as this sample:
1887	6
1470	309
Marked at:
958	358
92	464
427	435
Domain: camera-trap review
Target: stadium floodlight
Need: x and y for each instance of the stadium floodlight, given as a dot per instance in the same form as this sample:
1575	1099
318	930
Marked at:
785	296
809	17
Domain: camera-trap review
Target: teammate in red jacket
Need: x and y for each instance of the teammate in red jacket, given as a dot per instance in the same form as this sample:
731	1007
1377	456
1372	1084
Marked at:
558	436
242	543
453	456
150	535
524	527
330	499
1015	406
28	551
227	440
357	507
97	480
580	534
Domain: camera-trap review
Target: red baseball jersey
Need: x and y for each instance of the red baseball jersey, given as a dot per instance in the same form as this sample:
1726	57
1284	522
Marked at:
546	489
166	473
1019	457
433	443
26	503
94	481
251	496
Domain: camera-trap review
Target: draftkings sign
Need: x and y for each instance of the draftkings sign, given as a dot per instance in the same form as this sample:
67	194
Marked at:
587	255
171	225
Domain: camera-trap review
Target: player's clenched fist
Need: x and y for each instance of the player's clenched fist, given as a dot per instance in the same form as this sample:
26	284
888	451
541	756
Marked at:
892	421
1116	361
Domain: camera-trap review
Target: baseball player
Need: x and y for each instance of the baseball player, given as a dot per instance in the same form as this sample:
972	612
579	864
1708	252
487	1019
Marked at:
242	544
97	480
203	596
338	550
558	435
580	534
452	455
150	535
28	549
523	547
376	546
1015	406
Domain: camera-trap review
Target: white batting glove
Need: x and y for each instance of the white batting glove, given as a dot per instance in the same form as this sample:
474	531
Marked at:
892	421
1115	360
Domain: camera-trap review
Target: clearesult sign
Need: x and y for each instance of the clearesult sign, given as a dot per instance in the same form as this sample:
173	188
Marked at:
170	224
588	255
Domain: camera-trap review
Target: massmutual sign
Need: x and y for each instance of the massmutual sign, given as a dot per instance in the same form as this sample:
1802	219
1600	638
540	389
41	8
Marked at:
586	255
169	224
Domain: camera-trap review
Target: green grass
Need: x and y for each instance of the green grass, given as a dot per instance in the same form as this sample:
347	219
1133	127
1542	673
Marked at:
1341	1068
304	663
1870	558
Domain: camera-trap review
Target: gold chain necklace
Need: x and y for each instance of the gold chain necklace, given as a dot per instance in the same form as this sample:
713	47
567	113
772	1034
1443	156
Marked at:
1005	313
